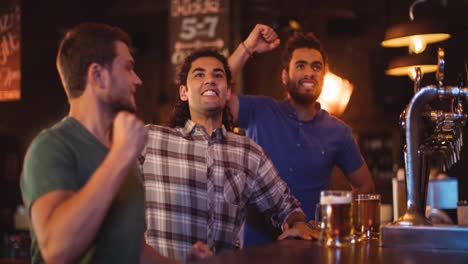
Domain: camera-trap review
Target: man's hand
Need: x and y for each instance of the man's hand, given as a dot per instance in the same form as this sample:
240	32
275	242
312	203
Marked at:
130	134
301	230
199	251
262	39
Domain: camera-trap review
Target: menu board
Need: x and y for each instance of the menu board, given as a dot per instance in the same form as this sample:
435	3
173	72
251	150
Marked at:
197	24
10	50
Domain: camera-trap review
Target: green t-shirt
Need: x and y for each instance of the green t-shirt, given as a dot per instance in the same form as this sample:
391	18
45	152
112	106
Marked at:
64	157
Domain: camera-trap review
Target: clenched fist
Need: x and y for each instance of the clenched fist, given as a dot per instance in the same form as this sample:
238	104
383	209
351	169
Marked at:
129	135
262	39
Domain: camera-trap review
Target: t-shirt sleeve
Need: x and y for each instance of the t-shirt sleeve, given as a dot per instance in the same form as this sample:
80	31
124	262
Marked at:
349	157
48	166
248	107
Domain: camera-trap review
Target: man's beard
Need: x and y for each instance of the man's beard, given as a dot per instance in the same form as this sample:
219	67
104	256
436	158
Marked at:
118	105
304	99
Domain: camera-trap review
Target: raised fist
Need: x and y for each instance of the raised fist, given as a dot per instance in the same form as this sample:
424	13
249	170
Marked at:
262	39
129	135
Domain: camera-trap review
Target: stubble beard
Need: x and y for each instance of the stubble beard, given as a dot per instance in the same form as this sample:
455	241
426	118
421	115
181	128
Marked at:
118	106
307	99
120	103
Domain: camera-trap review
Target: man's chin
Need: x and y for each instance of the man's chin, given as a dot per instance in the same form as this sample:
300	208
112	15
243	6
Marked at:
123	107
303	99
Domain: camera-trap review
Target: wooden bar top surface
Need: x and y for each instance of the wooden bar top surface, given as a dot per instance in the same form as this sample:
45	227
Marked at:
299	251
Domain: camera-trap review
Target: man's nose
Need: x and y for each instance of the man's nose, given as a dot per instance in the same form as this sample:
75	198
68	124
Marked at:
137	81
308	72
209	80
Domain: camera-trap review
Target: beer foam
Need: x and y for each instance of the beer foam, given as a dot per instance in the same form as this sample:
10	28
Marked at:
331	199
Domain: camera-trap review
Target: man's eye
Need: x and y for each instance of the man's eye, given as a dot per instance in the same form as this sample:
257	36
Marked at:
317	67
199	74
300	66
219	75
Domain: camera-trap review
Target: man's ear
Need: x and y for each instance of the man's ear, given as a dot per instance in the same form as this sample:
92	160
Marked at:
284	77
96	75
183	93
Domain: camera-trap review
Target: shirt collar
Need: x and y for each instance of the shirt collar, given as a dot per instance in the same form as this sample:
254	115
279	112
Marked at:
191	128
291	112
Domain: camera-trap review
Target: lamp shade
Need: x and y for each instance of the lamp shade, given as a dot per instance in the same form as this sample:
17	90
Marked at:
405	65
416	34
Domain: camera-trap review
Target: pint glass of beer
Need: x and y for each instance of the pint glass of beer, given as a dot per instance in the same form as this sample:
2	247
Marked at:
367	221
336	228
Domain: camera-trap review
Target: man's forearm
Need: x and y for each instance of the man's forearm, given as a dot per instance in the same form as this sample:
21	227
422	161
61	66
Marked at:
361	180
295	217
238	59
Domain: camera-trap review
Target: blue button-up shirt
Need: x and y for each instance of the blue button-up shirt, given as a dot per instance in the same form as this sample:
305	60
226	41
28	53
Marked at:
304	152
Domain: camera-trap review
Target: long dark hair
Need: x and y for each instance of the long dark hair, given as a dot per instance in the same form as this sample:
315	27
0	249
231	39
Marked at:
181	112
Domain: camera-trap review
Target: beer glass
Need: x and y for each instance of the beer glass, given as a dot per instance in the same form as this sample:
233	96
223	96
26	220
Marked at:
367	221
336	225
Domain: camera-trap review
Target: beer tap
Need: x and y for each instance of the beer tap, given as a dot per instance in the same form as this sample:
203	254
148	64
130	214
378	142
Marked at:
443	142
440	74
417	79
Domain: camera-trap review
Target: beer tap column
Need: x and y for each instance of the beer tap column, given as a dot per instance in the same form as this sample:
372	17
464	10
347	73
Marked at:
413	157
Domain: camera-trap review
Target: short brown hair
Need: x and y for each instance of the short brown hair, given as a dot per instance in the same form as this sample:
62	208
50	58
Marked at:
301	40
83	45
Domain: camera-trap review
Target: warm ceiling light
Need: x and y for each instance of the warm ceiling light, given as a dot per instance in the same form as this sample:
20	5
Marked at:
415	34
335	95
406	65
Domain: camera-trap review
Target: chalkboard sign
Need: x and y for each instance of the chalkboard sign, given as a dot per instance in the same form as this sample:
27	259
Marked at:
196	24
10	50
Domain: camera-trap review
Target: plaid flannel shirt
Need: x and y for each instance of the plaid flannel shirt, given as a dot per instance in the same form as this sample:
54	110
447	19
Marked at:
198	187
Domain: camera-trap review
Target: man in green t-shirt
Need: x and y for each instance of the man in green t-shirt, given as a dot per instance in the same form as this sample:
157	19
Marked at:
80	183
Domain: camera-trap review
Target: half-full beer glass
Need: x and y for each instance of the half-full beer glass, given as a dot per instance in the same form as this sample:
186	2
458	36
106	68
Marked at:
367	222
336	226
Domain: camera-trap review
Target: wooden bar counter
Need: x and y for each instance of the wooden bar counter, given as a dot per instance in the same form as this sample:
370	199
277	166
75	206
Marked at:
299	251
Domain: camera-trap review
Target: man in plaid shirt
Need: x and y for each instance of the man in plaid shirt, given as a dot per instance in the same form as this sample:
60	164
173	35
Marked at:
199	177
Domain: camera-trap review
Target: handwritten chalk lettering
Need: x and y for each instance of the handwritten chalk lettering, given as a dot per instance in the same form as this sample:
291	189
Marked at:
179	55
9	76
225	52
10	20
194	7
10	95
192	28
9	44
188	28
198	44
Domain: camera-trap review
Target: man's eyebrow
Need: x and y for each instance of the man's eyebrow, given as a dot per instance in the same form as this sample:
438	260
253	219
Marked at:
198	69
300	62
305	62
218	70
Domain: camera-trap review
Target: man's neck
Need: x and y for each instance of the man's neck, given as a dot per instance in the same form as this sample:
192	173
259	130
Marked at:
94	119
304	112
209	123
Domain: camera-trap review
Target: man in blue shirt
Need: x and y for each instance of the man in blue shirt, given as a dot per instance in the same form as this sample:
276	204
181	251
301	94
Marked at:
303	140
